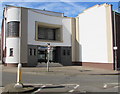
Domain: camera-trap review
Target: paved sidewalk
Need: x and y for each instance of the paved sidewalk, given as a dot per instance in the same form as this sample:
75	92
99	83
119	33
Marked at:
79	70
65	69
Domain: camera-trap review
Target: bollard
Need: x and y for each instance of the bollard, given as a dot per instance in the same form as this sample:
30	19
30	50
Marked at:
19	77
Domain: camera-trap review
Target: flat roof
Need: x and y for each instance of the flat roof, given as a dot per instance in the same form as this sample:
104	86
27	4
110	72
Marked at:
38	11
34	9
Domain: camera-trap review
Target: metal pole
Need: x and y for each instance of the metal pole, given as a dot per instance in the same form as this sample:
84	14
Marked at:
48	51
48	62
115	40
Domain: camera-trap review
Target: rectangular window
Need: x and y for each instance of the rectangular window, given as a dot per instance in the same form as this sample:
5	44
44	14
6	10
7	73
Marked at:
48	32
51	34
64	52
41	33
68	52
11	51
30	51
34	52
13	29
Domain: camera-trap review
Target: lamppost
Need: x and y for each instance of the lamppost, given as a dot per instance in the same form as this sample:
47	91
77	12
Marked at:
115	41
48	53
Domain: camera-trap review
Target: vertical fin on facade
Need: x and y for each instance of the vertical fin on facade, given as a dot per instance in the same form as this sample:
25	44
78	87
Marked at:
109	33
73	24
77	45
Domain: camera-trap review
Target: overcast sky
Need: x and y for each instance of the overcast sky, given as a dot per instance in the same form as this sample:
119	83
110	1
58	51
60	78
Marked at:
69	8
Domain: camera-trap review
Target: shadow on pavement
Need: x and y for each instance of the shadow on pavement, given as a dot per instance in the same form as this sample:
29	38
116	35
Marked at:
48	87
107	74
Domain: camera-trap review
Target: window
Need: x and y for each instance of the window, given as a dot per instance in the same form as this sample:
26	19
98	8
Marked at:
11	51
34	52
13	29
48	32
30	51
41	33
51	34
68	52
64	52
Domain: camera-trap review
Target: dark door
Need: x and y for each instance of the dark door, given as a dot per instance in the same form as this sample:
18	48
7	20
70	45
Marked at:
63	55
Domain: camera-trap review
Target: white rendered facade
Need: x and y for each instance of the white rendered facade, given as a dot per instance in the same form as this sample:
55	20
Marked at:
88	39
53	20
93	35
17	43
12	14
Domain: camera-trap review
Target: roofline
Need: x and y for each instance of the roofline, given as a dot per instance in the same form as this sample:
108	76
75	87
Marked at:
95	6
91	7
51	15
33	9
41	10
117	13
98	6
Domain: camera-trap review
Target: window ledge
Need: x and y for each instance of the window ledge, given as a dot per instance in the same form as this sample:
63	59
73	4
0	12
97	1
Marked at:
49	41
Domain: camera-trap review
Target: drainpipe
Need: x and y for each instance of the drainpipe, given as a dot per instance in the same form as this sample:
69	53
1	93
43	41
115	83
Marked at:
115	42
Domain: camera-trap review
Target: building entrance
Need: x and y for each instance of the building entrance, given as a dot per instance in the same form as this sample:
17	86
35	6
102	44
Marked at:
58	54
42	54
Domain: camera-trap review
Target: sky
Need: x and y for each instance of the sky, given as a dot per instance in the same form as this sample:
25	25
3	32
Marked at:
68	7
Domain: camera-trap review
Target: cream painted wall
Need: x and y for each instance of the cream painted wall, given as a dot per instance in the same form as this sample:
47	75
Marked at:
92	35
12	43
65	22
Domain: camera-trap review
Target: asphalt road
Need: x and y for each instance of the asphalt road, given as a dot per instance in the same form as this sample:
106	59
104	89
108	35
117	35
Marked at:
73	81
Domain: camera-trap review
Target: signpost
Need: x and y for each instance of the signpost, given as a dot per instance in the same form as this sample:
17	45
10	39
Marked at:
48	53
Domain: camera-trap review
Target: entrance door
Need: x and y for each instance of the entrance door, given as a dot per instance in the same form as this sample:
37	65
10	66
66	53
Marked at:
63	55
66	56
42	54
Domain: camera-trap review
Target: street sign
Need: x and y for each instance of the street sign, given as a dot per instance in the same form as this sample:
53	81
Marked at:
43	48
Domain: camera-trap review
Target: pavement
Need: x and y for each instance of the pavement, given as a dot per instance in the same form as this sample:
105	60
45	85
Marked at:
63	70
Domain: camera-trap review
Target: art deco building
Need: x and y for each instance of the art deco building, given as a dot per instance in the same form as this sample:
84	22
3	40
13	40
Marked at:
90	39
